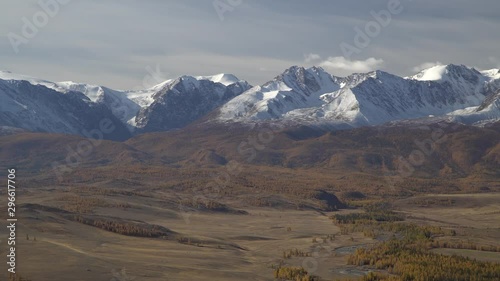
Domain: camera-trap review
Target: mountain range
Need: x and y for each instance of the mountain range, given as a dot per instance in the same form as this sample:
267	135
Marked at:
298	96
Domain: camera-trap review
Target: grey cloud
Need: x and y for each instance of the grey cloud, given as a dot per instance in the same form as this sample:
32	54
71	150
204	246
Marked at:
112	42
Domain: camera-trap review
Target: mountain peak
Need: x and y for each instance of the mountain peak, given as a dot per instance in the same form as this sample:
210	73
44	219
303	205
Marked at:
379	74
446	72
493	74
357	78
301	73
320	72
461	69
223	78
195	81
294	68
293	72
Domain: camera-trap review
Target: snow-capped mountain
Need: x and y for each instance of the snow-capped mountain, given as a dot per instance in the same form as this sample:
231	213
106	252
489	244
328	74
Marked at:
41	109
119	102
171	104
294	90
313	96
469	80
298	96
186	99
489	109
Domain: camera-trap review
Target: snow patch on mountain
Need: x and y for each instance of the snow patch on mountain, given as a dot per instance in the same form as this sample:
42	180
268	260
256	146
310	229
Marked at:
477	115
434	73
223	78
492	74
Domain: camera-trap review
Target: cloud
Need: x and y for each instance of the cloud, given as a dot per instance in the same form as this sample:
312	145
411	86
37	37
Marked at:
425	65
311	58
91	55
341	65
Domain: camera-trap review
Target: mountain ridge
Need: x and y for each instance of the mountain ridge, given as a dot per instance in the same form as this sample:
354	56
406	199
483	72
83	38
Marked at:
364	99
301	96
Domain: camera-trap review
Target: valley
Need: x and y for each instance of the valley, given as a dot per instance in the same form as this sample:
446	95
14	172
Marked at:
221	245
188	205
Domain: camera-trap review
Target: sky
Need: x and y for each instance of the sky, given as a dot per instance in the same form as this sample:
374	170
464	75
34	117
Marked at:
135	44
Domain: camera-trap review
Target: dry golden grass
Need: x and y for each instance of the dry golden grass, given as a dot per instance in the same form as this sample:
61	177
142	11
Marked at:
223	246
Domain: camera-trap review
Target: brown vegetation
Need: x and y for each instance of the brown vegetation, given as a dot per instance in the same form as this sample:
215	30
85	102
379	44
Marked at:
293	274
295	253
411	262
124	227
